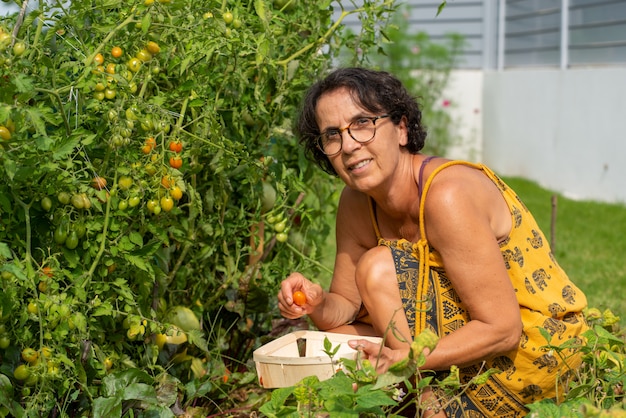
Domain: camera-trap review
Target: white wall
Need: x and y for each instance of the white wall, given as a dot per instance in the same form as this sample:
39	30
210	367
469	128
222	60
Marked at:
464	92
565	129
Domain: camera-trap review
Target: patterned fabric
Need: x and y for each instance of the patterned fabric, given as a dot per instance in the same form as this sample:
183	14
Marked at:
547	299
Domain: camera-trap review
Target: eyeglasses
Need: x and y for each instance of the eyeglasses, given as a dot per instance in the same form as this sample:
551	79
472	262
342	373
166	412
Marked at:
362	130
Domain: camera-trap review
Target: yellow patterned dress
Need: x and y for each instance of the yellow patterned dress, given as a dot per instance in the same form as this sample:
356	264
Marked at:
547	300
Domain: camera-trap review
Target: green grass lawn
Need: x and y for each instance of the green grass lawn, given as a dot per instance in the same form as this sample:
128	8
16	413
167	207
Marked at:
589	242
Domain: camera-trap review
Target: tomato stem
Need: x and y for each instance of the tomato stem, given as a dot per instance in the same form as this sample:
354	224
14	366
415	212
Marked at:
105	227
56	95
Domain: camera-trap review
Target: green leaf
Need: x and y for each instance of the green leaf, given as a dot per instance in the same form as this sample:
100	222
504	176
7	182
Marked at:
23	84
441	7
374	398
107	407
36	118
145	23
139	391
138	262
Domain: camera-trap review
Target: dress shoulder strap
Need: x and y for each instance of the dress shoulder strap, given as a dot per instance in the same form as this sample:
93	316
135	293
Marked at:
372	207
424	187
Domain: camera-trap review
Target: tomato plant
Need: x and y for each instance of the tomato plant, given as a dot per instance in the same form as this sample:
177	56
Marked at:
136	141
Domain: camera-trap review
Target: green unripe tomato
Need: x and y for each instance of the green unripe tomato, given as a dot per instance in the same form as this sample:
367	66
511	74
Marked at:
5	342
19	48
228	18
46	204
72	240
64	197
280	226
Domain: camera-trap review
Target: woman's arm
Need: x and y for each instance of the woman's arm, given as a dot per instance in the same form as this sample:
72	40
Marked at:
342	302
465	218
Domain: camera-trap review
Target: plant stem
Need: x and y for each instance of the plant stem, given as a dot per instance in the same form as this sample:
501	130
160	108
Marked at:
56	95
324	37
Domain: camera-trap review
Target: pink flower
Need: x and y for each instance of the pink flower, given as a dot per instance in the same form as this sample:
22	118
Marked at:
446	103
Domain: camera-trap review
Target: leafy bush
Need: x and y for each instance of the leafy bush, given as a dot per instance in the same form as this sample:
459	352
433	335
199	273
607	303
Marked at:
152	196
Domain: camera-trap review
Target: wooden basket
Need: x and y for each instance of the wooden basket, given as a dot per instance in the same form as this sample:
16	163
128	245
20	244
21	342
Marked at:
292	357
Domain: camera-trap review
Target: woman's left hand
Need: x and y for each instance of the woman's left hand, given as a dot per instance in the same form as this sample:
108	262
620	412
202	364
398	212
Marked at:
381	357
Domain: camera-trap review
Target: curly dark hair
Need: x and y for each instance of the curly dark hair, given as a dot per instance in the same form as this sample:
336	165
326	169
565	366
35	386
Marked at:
376	91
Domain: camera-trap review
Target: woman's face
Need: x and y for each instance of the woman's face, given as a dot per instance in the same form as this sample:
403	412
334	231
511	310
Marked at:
361	166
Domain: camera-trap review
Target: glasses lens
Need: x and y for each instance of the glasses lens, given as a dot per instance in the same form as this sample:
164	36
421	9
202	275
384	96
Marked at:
362	130
330	144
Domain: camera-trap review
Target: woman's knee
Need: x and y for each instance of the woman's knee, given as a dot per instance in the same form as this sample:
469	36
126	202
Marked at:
376	268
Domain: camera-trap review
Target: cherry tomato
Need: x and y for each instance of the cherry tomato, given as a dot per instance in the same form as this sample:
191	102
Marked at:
19	48
99	183
72	240
99	95
29	355
80	229
151	169
110	94
110	68
5	134
176	146
167	182
64	197
167	203
299	298
151	142
98	59
125	182
176	193
134	64
228	18
86	201
116	52
48	271
146	149
176	162
46	204
122	205
143	55
134	201
77	201
280	226
152	204
281	237
60	234
153	47
21	372
5	342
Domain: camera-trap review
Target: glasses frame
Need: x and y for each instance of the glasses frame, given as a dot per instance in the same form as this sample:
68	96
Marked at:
347	128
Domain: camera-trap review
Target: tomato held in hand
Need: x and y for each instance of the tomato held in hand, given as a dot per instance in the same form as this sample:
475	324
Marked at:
299	298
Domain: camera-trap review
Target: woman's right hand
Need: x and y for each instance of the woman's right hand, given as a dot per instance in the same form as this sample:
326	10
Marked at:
297	282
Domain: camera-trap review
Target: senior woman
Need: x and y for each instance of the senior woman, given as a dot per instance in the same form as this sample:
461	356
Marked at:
430	243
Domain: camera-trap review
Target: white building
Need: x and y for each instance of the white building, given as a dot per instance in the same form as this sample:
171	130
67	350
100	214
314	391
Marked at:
541	89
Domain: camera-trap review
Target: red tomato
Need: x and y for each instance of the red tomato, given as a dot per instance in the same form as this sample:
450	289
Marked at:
176	146
176	162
